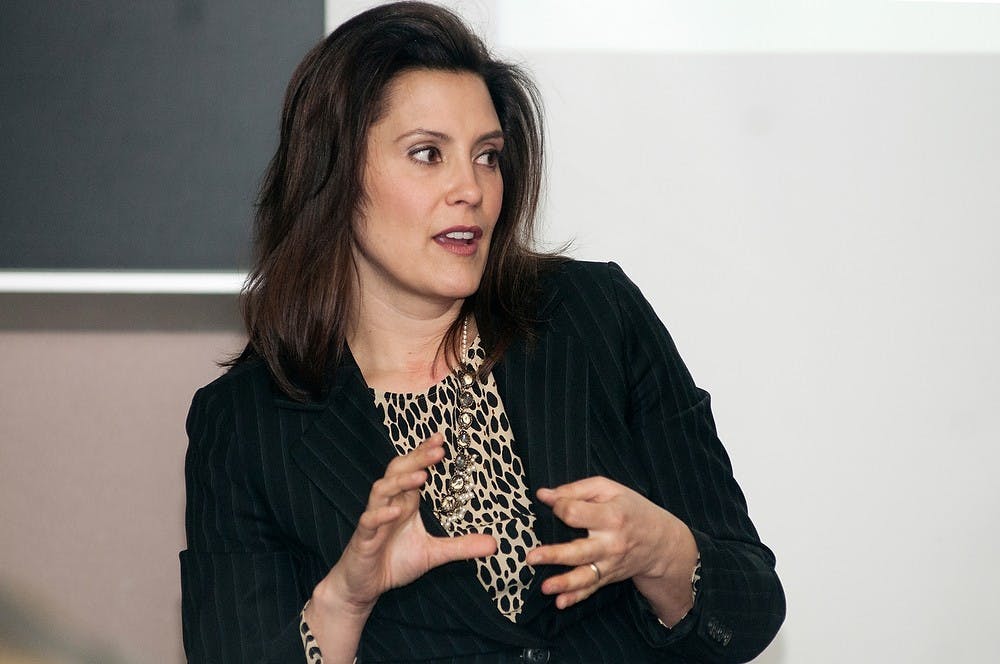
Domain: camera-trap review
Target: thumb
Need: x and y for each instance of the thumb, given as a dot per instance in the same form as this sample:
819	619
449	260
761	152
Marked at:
447	549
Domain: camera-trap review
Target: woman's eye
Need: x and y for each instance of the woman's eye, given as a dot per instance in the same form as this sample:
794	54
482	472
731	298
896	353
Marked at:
488	158
428	155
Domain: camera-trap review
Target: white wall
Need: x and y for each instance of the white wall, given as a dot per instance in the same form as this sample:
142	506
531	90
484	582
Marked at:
814	214
820	234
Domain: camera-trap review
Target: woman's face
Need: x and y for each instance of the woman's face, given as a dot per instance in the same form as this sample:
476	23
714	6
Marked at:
433	189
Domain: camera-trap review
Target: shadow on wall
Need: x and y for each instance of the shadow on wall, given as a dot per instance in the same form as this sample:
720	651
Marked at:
24	312
29	635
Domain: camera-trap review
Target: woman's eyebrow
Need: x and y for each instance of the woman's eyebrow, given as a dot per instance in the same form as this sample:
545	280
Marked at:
490	135
443	137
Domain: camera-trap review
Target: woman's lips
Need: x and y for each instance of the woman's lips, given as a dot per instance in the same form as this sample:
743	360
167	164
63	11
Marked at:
462	241
457	245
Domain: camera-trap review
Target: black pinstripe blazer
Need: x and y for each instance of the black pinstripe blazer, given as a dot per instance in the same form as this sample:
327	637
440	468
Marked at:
275	488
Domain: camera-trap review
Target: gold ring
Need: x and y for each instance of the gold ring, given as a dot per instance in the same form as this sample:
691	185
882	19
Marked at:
597	572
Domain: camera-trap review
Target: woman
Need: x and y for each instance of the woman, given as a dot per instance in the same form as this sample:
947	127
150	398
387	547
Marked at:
439	445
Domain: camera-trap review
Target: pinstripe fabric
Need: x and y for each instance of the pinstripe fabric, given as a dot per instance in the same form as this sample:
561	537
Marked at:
274	489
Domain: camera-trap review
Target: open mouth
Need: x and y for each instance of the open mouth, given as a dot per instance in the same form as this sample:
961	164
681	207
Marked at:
464	237
459	236
461	240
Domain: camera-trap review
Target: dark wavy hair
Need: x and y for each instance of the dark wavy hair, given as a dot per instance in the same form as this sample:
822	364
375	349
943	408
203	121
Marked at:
300	292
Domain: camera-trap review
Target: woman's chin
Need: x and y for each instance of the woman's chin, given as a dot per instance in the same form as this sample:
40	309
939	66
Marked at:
458	289
458	293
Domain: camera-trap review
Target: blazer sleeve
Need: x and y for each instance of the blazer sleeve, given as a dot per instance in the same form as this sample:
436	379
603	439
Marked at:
740	602
242	591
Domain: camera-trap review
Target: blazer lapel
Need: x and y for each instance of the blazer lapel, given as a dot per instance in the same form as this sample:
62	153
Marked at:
544	387
347	448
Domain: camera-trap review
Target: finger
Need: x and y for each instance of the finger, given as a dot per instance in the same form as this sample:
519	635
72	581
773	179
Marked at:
578	552
567	600
447	549
374	519
577	579
391	486
584	514
590	488
427	453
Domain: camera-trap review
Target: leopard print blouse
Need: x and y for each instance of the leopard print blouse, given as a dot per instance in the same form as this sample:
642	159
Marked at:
499	507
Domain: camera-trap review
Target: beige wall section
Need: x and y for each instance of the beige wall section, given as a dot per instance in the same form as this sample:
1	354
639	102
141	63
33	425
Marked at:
93	399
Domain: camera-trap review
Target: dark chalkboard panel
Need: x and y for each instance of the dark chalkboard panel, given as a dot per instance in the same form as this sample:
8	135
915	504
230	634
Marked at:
134	134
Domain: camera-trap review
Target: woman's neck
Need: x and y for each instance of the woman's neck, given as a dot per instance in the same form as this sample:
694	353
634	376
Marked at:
396	348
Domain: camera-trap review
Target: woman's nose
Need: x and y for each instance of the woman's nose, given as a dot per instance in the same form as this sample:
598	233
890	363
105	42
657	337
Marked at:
464	187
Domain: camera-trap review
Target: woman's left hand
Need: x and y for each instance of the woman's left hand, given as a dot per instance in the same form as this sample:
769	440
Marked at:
628	537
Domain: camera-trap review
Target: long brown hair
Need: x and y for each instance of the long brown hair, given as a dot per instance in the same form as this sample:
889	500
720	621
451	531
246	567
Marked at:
301	289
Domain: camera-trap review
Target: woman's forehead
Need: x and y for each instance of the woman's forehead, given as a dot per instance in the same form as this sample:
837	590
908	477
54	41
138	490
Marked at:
436	100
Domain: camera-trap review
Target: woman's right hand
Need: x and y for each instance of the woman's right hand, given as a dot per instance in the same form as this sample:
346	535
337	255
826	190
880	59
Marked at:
390	547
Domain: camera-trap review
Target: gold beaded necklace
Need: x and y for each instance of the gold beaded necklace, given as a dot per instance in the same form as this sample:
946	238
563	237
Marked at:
458	488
